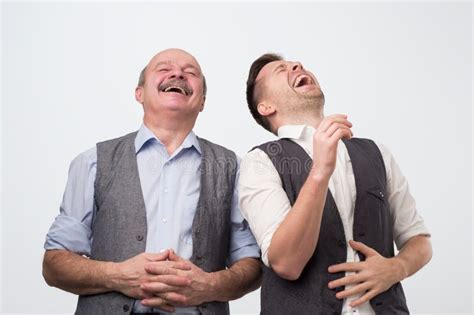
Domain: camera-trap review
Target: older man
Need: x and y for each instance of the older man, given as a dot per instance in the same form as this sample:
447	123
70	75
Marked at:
155	212
325	212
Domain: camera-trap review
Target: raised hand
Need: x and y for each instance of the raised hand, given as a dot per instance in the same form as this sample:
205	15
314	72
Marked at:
331	129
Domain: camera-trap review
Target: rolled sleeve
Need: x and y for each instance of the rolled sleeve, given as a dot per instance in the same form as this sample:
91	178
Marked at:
263	200
242	241
72	228
407	222
70	234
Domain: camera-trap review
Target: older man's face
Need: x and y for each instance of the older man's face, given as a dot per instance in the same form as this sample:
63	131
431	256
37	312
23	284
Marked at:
173	81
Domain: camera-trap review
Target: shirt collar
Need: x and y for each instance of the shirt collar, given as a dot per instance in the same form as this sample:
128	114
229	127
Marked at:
144	135
297	132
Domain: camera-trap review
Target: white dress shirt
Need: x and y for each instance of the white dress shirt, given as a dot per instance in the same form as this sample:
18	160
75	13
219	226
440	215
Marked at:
264	202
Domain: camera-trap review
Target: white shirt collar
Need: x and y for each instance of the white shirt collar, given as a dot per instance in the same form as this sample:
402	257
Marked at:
296	132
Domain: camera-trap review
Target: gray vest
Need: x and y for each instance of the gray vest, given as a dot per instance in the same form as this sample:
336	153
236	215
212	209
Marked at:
120	225
373	226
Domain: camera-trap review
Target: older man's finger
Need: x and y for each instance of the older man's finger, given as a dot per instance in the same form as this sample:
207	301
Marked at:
158	303
166	267
158	287
173	297
173	280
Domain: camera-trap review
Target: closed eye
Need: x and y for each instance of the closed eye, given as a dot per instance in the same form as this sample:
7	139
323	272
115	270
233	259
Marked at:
280	68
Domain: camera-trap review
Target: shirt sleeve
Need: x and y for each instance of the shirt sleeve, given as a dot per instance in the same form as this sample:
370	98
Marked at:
263	201
407	222
72	228
242	241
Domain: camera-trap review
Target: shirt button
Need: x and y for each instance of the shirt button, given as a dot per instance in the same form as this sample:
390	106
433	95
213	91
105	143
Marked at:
166	190
164	220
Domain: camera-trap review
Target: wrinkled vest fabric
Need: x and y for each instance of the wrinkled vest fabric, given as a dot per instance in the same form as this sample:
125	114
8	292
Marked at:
373	226
120	225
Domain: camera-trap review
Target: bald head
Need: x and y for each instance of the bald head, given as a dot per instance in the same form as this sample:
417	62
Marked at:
171	54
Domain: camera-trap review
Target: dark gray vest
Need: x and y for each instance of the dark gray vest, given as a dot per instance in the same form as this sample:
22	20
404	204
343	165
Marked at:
120	225
373	226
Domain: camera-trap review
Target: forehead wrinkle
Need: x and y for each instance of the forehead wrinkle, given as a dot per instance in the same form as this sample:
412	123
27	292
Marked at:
169	63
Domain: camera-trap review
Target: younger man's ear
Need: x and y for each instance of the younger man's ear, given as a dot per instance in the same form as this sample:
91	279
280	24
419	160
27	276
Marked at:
265	109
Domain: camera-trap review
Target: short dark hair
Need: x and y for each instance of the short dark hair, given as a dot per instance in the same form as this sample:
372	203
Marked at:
253	91
141	81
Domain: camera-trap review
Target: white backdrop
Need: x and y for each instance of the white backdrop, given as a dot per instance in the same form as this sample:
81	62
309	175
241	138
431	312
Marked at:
401	71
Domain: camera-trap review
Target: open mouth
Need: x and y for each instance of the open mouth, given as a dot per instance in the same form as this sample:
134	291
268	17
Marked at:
302	80
175	89
175	86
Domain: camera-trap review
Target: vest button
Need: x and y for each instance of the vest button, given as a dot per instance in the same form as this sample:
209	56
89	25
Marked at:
361	234
139	238
341	243
126	308
381	194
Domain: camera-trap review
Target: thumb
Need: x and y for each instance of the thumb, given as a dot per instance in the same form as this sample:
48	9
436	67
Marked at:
158	256
364	249
174	257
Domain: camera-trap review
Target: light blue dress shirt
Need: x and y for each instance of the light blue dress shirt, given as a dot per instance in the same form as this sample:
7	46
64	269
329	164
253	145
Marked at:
170	186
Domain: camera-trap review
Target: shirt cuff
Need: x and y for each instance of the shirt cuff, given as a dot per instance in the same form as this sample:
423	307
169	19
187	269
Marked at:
249	251
419	229
70	234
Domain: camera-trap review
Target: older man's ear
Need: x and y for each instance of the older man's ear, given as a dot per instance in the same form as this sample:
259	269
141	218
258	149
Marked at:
139	94
203	102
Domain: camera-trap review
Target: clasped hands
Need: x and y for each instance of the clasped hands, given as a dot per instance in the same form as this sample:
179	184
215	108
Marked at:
165	280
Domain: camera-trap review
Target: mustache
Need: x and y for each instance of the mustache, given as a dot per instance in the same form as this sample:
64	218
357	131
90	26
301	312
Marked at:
176	83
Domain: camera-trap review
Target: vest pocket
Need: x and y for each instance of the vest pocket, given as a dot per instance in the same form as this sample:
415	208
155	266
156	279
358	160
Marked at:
378	219
376	204
378	193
